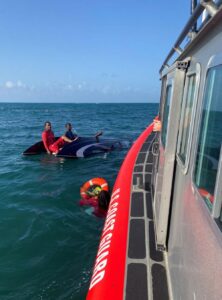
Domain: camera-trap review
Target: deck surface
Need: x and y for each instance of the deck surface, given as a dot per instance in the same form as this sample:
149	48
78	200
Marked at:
146	272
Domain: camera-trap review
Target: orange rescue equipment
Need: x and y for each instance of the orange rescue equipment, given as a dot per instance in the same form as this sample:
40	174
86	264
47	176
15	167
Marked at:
93	186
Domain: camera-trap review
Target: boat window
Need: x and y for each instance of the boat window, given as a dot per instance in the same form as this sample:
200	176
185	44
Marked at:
186	117
166	114
210	136
163	93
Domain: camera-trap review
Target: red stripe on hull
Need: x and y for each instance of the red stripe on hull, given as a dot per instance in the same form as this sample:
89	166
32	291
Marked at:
107	281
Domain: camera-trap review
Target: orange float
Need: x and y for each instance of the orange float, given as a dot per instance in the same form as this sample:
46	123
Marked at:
96	185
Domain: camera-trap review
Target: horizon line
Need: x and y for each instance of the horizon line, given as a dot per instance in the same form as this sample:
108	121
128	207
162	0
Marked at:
50	102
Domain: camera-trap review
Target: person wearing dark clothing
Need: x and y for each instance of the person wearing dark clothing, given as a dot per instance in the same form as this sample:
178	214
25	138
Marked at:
69	134
104	200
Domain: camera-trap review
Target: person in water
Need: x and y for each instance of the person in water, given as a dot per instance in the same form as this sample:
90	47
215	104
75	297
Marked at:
50	143
104	200
69	134
99	202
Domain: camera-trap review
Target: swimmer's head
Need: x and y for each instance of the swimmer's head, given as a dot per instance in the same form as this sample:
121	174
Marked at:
97	190
103	200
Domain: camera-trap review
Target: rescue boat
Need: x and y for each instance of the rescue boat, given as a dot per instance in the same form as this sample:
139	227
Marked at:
162	236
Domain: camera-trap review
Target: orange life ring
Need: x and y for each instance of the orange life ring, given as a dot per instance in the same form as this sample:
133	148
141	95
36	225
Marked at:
206	194
94	182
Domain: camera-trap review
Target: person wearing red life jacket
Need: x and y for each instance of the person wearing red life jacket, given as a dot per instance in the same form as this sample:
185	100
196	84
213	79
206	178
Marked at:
99	202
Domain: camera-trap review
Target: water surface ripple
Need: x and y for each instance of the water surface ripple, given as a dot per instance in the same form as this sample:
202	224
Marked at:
48	243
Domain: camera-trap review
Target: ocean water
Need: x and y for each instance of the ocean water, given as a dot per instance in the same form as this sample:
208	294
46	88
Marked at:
48	242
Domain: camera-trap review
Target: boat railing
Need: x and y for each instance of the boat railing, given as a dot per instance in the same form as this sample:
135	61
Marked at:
201	13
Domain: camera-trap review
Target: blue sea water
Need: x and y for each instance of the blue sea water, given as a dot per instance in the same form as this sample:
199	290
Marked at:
48	242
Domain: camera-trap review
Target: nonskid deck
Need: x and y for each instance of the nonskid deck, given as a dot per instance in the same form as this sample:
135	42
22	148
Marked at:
145	267
127	265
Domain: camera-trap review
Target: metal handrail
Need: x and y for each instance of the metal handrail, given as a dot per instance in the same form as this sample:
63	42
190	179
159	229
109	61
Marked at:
211	8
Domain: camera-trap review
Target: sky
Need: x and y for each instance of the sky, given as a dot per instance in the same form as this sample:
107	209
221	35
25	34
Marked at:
86	50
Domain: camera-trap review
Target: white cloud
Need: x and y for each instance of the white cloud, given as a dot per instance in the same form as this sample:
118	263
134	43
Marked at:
106	89
69	87
18	84
9	84
78	86
82	85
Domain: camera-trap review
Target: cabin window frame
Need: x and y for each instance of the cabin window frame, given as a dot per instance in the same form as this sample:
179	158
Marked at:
217	205
216	210
197	72
163	96
169	82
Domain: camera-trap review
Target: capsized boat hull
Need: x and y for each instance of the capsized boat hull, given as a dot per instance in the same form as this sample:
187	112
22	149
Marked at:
83	147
